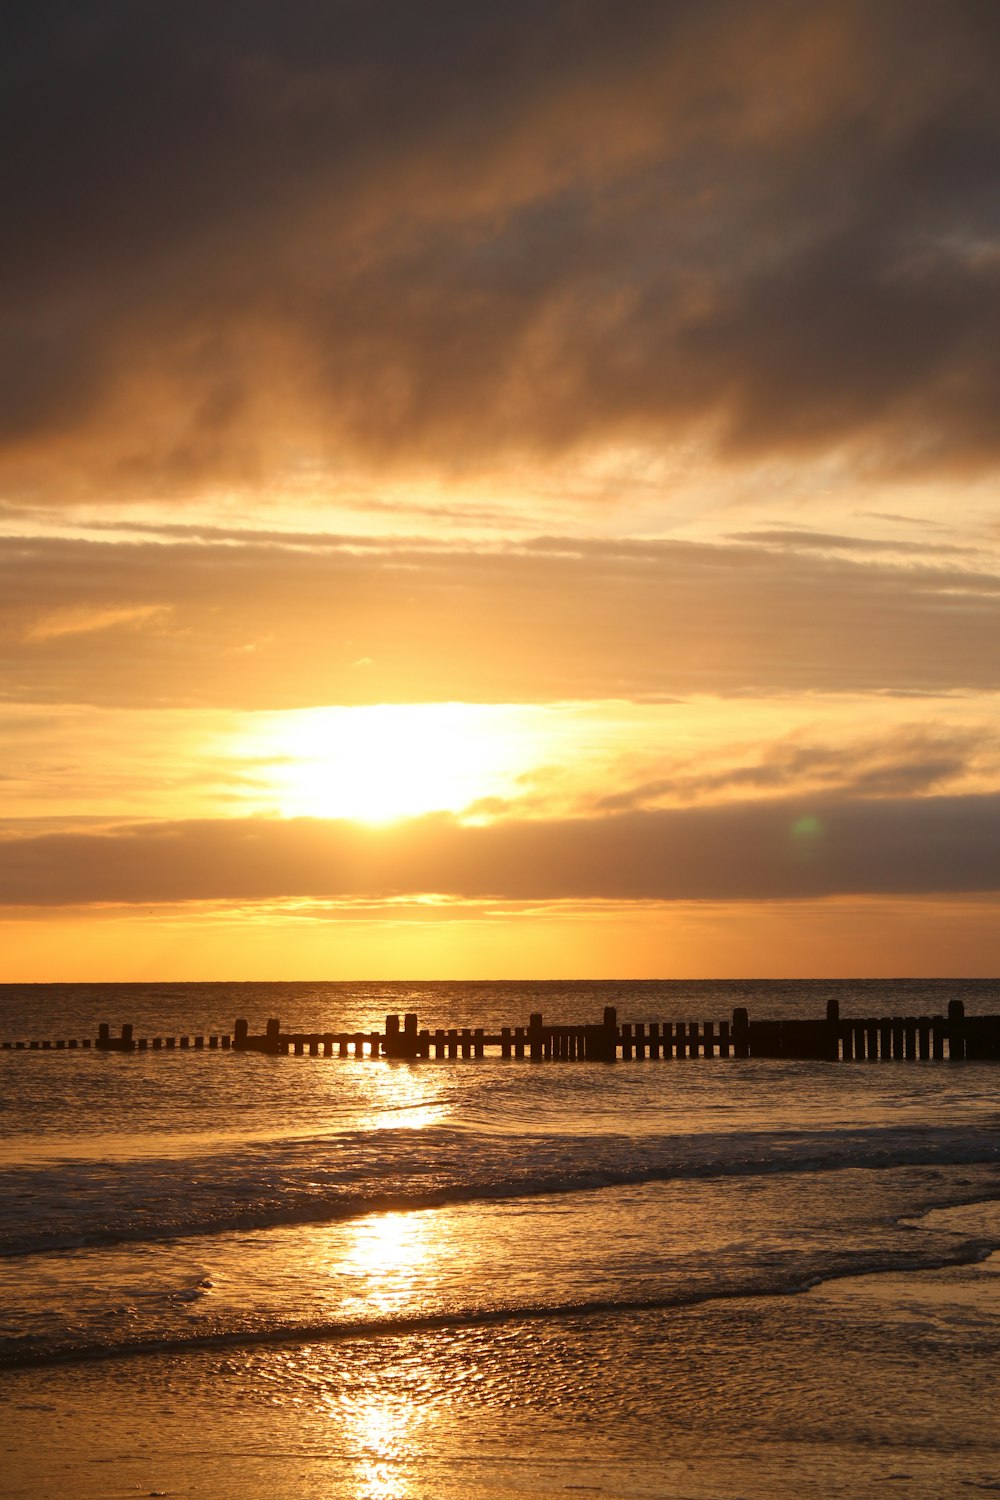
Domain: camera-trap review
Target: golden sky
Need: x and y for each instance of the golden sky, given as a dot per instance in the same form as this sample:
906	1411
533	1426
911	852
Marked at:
500	490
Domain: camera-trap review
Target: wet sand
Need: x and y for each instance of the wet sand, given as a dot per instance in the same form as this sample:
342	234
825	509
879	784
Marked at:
864	1387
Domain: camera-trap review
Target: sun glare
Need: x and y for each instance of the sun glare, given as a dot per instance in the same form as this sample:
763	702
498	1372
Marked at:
377	764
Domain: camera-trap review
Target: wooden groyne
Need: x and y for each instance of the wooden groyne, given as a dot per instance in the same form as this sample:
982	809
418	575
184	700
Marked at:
955	1036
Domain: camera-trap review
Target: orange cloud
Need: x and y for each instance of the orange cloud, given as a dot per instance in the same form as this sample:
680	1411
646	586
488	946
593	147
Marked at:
258	625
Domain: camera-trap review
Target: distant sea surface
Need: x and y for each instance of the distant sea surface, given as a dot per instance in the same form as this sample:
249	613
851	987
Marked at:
313	1276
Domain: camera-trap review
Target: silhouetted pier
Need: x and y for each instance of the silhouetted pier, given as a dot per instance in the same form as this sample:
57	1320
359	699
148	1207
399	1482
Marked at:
955	1036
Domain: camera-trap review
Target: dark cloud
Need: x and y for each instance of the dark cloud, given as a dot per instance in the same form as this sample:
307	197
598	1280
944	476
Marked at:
762	850
825	541
241	233
907	762
263	626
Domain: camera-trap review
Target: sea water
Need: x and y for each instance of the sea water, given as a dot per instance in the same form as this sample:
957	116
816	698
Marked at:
225	1273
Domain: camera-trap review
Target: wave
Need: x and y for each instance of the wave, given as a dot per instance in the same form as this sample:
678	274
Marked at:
72	1204
34	1351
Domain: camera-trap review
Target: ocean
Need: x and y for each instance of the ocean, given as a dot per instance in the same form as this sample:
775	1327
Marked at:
231	1274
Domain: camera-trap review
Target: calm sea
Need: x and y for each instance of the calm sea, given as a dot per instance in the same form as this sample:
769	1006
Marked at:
304	1276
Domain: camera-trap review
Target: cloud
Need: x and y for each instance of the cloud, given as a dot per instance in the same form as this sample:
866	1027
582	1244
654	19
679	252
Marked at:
775	850
910	761
246	238
61	622
821	541
265	626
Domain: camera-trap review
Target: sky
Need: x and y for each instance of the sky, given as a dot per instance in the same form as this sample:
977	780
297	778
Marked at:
499	490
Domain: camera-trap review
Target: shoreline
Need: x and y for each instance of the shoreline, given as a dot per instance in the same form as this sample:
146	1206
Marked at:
303	1421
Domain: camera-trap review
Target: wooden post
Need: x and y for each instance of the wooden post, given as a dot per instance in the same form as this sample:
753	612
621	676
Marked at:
924	1037
343	1044
185	1041
910	1038
199	1043
938	1033
611	1033
956	1030
225	1041
359	1044
833	1023
896	1026
374	1043
327	1044
860	1036
723	1038
392	1036
439	1044
410	1025
640	1040
478	1043
708	1034
519	1042
654	1040
884	1037
299	1044
692	1039
741	1032
452	1042
103	1036
626	1031
871	1037
157	1043
240	1029
171	1043
272	1031
424	1043
314	1045
680	1039
535	1040
505	1041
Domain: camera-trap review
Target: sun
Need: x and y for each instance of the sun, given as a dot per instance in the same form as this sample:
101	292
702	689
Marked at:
385	762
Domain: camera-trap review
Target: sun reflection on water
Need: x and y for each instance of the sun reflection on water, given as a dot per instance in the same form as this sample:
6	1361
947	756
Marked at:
390	1261
404	1098
383	1433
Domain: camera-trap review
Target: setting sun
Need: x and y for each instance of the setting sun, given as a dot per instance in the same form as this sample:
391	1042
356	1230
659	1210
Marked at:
376	764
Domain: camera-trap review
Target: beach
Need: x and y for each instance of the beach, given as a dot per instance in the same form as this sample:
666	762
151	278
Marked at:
305	1276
